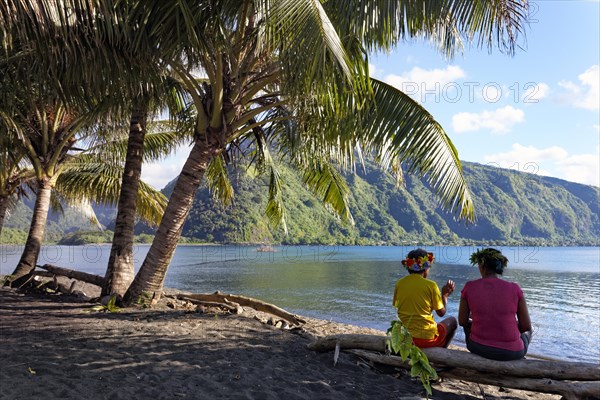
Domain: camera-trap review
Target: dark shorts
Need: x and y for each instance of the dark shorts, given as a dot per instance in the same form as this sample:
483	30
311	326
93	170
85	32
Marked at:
495	353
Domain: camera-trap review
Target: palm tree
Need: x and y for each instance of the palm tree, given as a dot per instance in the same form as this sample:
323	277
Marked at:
298	68
49	132
294	68
14	176
127	69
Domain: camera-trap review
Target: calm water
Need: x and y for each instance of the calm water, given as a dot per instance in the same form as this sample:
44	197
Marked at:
354	284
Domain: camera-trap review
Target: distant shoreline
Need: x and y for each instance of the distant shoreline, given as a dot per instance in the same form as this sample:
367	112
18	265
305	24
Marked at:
478	244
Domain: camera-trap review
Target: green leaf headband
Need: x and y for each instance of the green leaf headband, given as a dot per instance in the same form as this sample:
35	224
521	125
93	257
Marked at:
491	257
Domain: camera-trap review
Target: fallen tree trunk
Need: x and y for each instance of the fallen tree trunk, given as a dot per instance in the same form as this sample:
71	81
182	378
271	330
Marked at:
349	341
244	301
45	274
570	390
69	273
562	370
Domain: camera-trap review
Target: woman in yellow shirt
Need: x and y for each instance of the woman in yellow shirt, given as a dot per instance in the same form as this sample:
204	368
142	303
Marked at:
416	297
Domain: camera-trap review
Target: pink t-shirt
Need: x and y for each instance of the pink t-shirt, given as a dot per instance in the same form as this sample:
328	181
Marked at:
493	304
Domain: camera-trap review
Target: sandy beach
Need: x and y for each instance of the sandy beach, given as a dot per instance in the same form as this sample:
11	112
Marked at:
55	347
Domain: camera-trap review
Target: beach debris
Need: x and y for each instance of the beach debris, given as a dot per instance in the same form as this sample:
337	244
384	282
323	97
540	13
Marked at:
235	301
31	371
108	303
336	354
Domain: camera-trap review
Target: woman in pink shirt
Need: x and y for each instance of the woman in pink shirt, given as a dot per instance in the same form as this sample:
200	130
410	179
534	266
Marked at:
493	312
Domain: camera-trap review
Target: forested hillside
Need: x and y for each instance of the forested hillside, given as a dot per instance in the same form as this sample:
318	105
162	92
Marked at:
512	208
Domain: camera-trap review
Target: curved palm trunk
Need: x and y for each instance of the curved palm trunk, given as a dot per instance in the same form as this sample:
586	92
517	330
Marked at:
149	279
119	272
3	208
36	231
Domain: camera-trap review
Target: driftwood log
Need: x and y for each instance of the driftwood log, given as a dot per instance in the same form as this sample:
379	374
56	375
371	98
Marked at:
561	370
244	301
568	389
234	308
573	380
349	341
69	273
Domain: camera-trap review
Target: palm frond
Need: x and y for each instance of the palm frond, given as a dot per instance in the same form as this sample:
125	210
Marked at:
163	138
84	208
382	24
218	180
264	163
11	205
275	210
101	182
304	24
398	128
330	187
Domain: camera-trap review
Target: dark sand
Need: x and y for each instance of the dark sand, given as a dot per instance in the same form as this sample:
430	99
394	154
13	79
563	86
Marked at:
54	347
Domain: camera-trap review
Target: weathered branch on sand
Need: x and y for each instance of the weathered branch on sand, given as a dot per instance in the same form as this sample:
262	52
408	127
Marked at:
69	273
244	301
235	308
568	389
560	370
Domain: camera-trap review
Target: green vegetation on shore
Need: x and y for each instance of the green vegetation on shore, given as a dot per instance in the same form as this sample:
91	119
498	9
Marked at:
512	208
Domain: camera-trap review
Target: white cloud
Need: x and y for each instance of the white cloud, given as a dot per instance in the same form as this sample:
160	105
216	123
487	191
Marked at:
160	173
597	127
428	85
534	92
551	161
498	121
586	93
373	70
582	168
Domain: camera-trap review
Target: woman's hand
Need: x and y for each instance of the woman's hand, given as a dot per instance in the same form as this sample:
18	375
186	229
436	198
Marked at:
448	288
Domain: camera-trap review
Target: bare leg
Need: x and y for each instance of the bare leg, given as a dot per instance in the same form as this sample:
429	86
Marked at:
450	324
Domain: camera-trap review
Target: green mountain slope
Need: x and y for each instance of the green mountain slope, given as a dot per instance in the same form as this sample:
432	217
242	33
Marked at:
512	208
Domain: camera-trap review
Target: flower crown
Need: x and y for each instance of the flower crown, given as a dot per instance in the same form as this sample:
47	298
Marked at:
420	263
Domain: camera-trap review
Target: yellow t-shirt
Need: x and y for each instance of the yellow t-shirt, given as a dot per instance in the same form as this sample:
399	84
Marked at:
415	298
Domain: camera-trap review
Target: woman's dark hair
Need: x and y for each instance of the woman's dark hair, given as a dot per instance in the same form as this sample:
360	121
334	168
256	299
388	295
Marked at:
491	259
417	253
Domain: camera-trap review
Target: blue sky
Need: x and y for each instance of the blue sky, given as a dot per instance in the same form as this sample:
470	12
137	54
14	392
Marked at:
537	111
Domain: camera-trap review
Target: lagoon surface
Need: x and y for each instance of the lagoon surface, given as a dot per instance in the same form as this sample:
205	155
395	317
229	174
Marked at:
354	284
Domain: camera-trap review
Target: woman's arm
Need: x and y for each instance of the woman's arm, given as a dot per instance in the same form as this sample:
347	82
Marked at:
523	316
442	311
446	291
463	312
